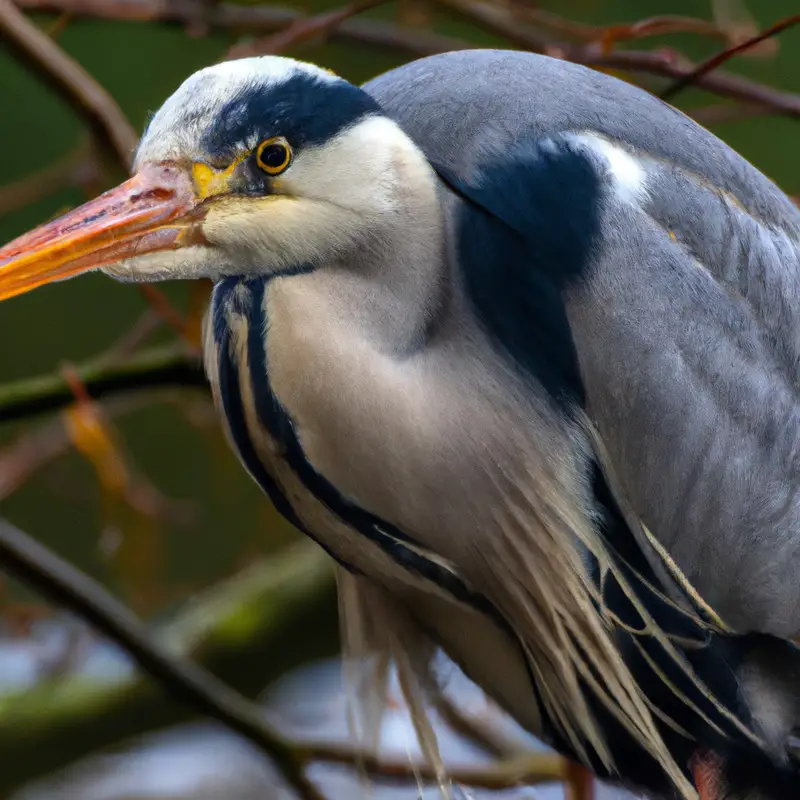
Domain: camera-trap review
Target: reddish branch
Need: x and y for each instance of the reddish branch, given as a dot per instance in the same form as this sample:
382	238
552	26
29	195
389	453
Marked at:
720	58
40	446
667	64
71	80
499	19
302	30
653	26
672	65
168	313
248	19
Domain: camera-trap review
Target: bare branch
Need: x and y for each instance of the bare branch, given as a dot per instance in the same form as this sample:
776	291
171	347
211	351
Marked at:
74	169
150	369
168	313
738	23
259	19
301	30
527	770
501	21
71	80
707	67
63	584
250	617
66	586
653	26
477	729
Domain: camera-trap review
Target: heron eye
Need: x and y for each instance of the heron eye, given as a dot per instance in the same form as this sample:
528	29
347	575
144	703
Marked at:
274	155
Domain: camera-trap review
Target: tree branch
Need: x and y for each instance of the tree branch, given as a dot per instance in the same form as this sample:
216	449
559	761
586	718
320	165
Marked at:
303	29
158	367
42	444
528	770
64	585
502	22
660	25
71	81
72	704
713	63
496	18
259	19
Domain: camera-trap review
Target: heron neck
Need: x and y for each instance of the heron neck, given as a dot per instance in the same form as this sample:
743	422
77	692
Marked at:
392	291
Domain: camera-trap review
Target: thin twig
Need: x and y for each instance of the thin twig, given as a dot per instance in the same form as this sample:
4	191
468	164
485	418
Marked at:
660	25
716	61
254	19
733	17
71	80
63	584
302	29
530	769
67	587
478	729
669	65
500	21
157	367
252	616
76	168
422	43
168	313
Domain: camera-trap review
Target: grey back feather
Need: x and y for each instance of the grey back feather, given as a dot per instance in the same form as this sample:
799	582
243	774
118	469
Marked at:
687	326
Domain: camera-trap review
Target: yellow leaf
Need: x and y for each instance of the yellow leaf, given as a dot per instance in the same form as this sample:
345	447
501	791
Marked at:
93	439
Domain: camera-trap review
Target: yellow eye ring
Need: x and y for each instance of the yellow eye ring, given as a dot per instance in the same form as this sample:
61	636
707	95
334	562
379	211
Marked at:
274	155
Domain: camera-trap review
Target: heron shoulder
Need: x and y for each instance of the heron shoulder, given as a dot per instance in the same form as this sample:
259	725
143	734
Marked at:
463	105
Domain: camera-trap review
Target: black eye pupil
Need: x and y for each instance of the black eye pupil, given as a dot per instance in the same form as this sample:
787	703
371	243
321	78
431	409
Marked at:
274	155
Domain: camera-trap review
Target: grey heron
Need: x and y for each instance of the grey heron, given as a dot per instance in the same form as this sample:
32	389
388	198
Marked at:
518	344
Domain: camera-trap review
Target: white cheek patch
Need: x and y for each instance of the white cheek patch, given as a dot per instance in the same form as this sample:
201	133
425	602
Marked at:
182	264
268	234
626	171
360	169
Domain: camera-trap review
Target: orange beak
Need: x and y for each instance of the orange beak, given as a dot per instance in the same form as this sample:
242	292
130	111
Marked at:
149	213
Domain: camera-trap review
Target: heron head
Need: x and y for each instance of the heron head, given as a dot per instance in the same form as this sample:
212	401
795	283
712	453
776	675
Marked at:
254	166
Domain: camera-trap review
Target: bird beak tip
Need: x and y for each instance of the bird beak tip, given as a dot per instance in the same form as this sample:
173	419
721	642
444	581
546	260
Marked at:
148	213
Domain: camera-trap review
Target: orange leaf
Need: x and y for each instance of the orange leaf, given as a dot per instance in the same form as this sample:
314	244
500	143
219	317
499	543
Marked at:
93	439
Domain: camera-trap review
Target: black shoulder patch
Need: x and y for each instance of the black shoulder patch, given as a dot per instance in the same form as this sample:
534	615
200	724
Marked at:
528	224
304	109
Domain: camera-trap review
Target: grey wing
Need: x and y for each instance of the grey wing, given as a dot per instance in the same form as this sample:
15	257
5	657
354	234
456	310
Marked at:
688	337
687	325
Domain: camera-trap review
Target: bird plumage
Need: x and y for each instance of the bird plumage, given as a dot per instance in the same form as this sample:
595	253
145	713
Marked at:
516	259
682	314
516	343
